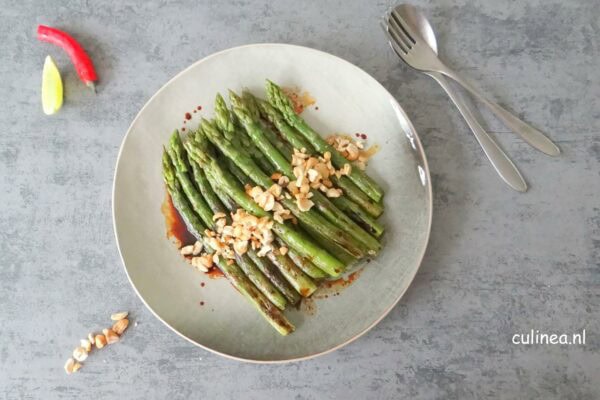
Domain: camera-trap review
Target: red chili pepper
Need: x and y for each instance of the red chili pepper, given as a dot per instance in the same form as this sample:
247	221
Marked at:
82	62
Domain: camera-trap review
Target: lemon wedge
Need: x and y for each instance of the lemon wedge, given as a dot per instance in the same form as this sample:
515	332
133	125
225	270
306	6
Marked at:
52	88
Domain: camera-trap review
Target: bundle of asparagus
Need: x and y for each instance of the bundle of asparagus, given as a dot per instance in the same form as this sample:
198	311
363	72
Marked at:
259	189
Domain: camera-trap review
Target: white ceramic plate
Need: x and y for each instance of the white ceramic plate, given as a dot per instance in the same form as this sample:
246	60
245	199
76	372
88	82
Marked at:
349	101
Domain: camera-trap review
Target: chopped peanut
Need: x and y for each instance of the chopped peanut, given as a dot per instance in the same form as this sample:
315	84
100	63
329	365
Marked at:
100	341
120	326
111	336
121	315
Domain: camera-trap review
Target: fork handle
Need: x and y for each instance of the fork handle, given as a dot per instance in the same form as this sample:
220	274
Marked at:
500	161
531	135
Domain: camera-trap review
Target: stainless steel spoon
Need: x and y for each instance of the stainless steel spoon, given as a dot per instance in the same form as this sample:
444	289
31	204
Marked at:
417	53
499	160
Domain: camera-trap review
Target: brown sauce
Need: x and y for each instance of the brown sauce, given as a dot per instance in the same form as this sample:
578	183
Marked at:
300	100
335	287
176	229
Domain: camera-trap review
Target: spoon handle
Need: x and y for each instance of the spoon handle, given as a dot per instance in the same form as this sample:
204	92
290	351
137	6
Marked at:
500	161
531	135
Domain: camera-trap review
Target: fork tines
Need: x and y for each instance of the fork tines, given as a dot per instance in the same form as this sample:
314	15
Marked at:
400	33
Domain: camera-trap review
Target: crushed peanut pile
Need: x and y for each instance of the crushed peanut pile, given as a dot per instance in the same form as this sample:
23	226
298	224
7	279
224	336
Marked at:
313	173
202	262
352	150
269	199
245	231
108	336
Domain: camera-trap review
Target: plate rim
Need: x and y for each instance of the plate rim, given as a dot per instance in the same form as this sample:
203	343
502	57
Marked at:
419	149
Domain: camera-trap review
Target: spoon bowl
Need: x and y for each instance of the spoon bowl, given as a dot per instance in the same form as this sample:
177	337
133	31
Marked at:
419	23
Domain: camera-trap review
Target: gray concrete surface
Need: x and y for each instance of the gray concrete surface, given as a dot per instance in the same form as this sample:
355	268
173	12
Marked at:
498	263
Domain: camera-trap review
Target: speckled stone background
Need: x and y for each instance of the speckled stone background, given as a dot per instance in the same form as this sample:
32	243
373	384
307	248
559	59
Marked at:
498	262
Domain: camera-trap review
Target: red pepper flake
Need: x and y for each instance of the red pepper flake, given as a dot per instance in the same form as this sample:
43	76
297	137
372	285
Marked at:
363	136
357	134
188	116
199	108
201	303
202	284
